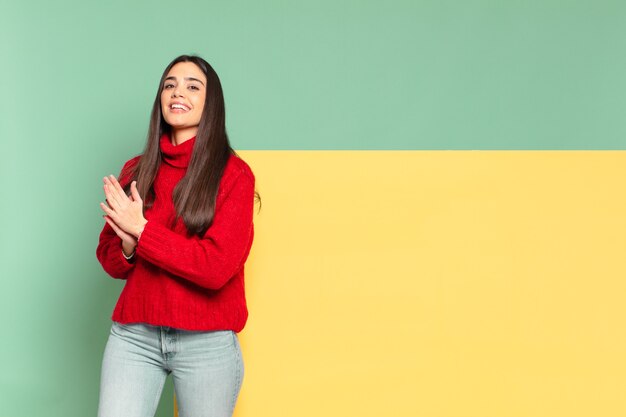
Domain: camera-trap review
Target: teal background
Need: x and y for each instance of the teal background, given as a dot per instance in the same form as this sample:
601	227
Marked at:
78	79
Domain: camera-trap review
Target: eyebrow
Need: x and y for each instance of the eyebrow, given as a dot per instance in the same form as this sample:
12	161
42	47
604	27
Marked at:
186	79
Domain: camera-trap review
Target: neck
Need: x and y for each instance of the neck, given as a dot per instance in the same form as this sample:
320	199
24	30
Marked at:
183	135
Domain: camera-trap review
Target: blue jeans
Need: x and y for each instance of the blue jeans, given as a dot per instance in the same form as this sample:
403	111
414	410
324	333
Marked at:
206	367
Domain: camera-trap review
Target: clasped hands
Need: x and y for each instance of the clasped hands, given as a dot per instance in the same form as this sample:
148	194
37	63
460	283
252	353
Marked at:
123	213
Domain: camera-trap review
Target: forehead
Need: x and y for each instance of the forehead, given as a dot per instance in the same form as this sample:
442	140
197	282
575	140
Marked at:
185	70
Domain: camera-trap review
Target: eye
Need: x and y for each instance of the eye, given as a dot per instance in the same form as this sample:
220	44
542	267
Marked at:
168	85
193	87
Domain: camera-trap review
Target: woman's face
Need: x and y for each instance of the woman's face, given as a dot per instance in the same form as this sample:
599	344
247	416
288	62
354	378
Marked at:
182	99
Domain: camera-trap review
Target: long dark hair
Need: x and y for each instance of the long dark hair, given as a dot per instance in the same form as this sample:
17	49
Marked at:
195	195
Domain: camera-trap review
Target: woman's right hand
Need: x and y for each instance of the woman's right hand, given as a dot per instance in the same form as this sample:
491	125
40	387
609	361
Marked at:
129	243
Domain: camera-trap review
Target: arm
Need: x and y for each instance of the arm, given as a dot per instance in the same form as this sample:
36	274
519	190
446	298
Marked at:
109	253
210	261
109	250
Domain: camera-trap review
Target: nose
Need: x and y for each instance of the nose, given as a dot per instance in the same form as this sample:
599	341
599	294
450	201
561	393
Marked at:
176	92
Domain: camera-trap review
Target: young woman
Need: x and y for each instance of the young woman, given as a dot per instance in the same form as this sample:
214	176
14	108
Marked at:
178	230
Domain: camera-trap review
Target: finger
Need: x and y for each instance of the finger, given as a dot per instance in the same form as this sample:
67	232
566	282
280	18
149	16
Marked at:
113	225
114	193
111	217
119	232
108	211
111	197
135	192
117	185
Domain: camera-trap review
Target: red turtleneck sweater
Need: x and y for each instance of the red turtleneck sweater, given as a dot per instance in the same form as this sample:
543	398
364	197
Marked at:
179	281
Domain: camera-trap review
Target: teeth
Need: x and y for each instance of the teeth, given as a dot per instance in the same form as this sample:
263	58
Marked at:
179	106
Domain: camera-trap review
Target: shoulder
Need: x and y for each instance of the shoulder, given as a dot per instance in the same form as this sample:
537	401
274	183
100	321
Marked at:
128	170
132	163
237	168
237	175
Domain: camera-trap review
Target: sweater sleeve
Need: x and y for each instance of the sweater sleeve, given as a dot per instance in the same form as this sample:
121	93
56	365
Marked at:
109	253
210	261
109	250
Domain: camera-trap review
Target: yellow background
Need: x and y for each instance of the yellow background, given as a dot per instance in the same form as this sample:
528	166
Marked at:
436	284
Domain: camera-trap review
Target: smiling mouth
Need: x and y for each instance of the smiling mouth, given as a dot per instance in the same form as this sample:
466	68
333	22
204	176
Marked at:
177	107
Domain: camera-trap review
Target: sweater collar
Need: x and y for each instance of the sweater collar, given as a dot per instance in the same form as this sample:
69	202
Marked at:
176	155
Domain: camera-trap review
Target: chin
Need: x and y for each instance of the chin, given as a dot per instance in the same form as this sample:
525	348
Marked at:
177	124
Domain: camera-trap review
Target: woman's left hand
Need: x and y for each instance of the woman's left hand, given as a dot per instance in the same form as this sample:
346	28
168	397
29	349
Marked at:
125	211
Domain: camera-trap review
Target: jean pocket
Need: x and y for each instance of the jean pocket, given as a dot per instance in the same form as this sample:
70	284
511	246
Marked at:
118	328
129	328
213	340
